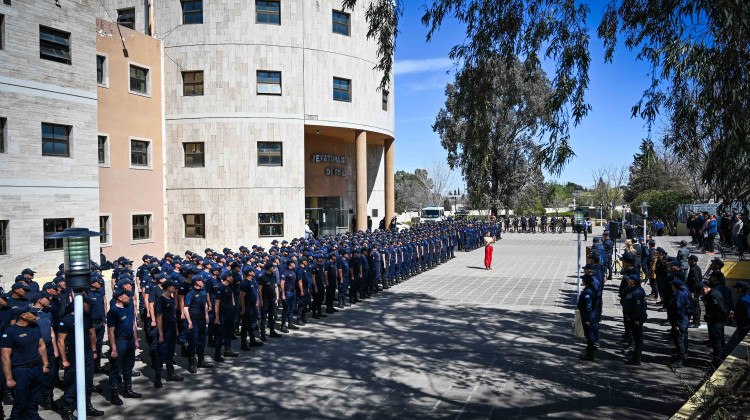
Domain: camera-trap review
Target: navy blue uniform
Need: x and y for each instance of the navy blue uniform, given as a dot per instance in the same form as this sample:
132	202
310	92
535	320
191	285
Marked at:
165	306
26	367
122	320
196	301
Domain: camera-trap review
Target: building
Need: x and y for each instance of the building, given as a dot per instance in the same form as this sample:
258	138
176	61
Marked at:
215	125
131	176
272	115
48	126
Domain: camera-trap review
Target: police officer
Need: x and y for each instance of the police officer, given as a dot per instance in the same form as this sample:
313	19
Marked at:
587	309
715	317
289	297
318	273
225	319
694	277
98	316
24	357
331	281
741	315
249	308
166	326
303	293
121	331
678	310
343	271
66	344
268	293
41	301
195	312
634	309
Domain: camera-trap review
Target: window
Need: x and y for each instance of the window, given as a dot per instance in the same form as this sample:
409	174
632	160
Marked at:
141	227
104	229
192	83
374	212
139	153
126	18
271	224
195	225
342	89
54	45
55	140
101	70
268	12
385	100
3	237
2	31
269	83
194	156
192	12
139	82
53	226
269	153
2	135
103	152
340	23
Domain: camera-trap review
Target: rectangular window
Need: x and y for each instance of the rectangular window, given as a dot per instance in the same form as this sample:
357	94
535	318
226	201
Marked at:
192	83
54	45
3	237
385	100
195	225
141	227
139	155
55	140
101	70
104	229
268	12
269	153
374	212
342	89
340	23
271	224
103	149
126	18
54	226
139	80
269	83
192	12
194	156
2	135
2	31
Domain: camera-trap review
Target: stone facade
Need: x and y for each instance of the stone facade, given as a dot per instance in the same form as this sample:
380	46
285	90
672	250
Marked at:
230	47
35	91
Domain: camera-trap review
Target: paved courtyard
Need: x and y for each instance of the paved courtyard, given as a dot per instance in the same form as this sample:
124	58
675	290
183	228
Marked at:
457	342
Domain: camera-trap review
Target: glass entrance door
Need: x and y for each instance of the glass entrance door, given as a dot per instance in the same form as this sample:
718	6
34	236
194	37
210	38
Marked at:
327	213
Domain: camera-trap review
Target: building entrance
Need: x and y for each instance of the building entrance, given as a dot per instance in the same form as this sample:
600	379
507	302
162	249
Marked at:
328	214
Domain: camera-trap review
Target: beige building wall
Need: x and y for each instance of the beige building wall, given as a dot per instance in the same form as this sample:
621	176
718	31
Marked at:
125	190
33	90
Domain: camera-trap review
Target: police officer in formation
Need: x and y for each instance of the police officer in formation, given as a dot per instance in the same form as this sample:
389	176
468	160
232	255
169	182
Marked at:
203	301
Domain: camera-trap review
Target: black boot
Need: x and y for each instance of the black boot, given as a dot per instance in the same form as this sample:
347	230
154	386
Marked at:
157	380
244	346
46	402
66	413
254	342
217	356
129	393
229	353
588	356
274	334
283	329
91	411
202	362
183	351
173	377
635	361
191	365
263	335
114	399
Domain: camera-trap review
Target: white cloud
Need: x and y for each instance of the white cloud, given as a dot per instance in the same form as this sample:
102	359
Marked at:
437	81
422	65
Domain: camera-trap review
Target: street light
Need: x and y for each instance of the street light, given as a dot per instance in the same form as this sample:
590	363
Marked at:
77	257
644	211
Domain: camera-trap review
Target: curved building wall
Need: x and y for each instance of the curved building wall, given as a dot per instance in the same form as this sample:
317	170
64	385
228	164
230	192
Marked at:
230	117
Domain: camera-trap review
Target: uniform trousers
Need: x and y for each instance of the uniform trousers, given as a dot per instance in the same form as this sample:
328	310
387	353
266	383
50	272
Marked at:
70	377
28	392
290	306
123	364
196	337
165	349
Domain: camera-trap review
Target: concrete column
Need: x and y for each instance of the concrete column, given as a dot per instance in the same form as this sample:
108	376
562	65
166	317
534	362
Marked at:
361	153
390	206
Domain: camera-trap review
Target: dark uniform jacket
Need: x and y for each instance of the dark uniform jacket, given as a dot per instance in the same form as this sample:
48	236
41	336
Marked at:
716	311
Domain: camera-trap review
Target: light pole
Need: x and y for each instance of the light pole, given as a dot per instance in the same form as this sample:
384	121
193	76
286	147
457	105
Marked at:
578	214
77	257
644	210
601	213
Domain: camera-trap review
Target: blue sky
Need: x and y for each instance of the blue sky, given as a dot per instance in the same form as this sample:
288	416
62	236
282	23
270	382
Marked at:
607	136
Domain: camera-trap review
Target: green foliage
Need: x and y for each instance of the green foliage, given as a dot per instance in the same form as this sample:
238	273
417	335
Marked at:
534	205
663	205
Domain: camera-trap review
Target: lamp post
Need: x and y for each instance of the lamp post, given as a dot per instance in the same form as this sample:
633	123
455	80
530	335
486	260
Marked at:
77	257
601	213
644	210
